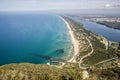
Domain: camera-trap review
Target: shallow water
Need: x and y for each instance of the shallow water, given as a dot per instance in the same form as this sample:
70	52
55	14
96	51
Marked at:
24	37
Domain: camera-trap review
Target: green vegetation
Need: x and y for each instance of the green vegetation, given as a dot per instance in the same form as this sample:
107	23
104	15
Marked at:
113	44
30	72
99	54
104	74
27	71
115	25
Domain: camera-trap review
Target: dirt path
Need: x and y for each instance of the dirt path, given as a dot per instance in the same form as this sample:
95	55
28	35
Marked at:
105	61
85	72
81	60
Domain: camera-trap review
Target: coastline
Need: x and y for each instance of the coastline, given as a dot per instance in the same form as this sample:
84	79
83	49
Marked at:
108	25
74	41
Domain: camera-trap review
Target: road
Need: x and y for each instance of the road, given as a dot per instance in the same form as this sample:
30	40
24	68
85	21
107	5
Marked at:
105	61
81	60
85	72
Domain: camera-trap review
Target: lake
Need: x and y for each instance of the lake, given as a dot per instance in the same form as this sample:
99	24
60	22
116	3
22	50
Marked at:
109	33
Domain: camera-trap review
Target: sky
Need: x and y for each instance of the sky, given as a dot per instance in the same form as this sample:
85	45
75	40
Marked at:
44	5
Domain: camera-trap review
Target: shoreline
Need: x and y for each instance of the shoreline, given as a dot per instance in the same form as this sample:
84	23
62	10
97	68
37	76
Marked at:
74	41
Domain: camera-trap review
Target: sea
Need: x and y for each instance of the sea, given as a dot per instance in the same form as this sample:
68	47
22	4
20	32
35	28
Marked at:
37	38
33	38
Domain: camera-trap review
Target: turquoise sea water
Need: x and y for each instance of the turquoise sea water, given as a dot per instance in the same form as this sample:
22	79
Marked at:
23	37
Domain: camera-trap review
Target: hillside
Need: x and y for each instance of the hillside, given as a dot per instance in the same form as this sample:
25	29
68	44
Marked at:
27	71
104	73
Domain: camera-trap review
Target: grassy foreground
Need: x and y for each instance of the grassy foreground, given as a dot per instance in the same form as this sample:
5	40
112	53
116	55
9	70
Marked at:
27	71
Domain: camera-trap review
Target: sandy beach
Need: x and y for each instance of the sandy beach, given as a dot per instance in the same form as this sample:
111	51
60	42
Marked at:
74	41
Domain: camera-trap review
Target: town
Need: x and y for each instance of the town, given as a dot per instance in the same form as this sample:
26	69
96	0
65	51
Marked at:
101	19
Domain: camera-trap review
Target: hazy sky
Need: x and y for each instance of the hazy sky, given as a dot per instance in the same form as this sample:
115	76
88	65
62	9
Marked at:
38	5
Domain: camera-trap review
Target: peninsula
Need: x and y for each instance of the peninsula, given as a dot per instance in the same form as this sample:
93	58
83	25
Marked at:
91	56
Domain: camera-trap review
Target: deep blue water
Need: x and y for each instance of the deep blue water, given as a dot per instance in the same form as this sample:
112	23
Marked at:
23	35
109	33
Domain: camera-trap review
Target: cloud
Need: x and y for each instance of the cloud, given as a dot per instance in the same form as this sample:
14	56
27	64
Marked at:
107	5
113	6
36	5
117	6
